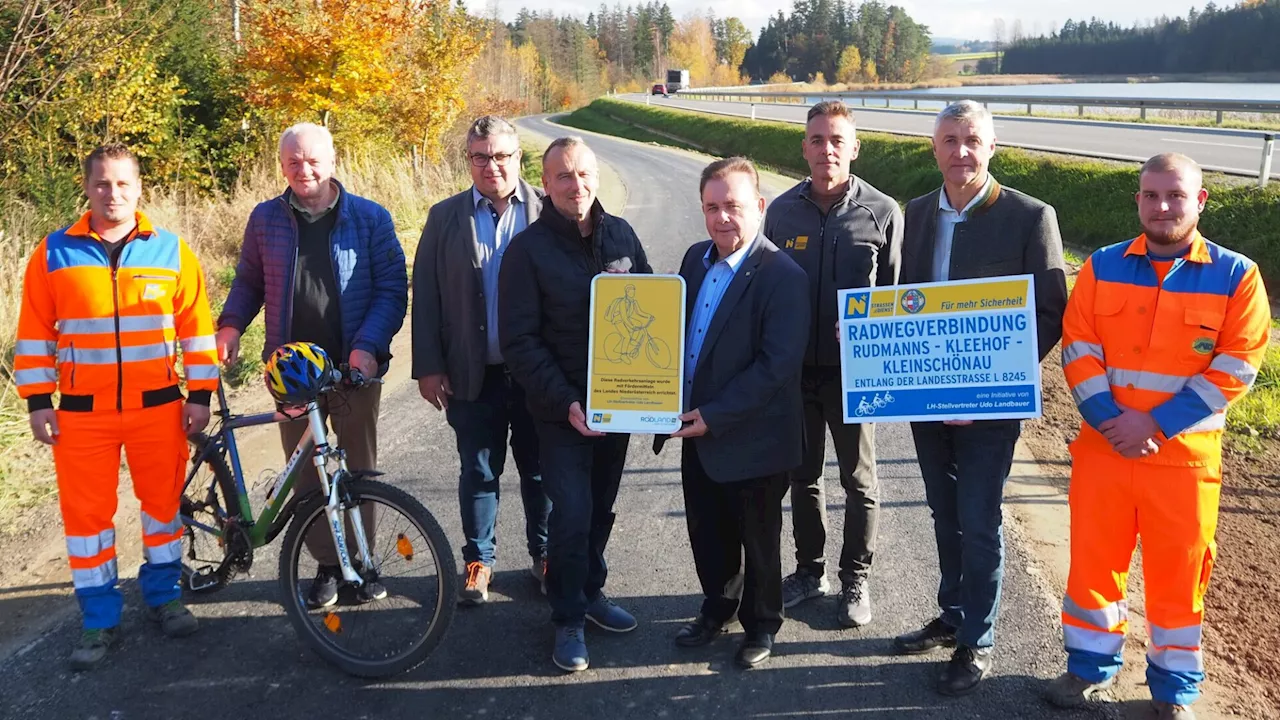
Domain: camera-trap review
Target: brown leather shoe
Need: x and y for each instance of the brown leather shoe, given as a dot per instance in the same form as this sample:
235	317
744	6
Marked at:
476	589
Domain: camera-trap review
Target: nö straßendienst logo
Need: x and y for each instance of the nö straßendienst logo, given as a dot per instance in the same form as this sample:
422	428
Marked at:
857	305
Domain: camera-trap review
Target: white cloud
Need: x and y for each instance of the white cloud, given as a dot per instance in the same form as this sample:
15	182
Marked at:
973	19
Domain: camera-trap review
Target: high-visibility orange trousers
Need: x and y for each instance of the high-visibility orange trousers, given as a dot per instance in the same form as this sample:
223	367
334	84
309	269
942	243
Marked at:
1175	511
87	459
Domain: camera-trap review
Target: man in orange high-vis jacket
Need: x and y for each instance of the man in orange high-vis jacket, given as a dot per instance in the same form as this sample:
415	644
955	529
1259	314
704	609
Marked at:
106	303
1161	333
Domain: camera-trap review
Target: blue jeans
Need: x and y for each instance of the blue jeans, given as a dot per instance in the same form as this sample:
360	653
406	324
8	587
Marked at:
964	470
481	427
582	475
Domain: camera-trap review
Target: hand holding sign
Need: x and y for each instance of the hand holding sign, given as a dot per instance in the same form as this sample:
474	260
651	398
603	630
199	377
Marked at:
953	352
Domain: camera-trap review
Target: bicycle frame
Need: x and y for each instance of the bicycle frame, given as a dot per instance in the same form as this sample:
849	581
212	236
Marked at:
281	501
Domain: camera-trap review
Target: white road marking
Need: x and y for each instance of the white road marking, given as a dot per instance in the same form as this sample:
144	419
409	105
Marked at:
1214	144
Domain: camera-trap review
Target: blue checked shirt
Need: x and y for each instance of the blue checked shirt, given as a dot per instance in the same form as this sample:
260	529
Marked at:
720	272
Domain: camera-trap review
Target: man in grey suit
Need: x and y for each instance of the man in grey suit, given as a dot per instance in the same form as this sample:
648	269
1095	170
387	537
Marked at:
747	323
456	358
972	227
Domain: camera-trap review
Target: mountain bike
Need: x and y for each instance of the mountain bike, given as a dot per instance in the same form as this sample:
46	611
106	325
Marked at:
387	544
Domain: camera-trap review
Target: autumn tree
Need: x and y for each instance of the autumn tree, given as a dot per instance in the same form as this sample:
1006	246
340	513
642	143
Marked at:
430	74
77	73
849	69
693	48
732	40
314	60
373	66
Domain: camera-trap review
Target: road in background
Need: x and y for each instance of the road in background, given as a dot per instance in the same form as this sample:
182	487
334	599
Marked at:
1214	150
495	660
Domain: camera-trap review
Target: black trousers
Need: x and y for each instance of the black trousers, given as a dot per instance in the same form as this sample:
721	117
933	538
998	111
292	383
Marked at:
727	523
856	453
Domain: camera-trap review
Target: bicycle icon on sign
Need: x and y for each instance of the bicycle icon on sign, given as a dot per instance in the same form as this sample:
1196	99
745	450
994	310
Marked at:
877	403
632	336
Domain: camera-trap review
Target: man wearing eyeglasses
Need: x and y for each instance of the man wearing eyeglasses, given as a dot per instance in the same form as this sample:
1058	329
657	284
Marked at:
456	358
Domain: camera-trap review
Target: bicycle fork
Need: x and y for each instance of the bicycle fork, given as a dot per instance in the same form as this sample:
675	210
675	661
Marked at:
332	512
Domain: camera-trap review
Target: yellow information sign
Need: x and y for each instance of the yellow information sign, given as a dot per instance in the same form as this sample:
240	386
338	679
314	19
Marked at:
637	350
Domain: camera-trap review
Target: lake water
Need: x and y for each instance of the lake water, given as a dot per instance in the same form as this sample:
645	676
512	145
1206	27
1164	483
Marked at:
1180	91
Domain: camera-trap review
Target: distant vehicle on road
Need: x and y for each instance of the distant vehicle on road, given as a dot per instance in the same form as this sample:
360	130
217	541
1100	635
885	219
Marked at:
677	80
659	89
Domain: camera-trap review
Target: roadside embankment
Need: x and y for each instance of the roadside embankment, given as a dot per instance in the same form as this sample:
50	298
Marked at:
1094	198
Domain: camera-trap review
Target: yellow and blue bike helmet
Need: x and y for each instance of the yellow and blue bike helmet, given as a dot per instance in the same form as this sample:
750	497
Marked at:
297	372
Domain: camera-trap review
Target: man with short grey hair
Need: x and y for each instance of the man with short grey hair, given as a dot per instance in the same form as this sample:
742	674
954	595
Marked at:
457	360
328	267
972	227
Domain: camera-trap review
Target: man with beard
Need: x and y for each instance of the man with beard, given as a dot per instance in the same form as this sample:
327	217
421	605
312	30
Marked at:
1161	334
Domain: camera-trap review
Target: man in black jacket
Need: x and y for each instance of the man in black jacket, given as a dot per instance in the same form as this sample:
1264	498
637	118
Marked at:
747	322
844	233
972	227
544	306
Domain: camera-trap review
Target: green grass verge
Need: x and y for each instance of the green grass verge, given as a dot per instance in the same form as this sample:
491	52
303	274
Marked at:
588	118
1256	416
965	57
531	163
1094	199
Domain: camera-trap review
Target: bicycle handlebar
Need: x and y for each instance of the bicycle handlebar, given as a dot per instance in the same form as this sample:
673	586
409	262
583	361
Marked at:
351	378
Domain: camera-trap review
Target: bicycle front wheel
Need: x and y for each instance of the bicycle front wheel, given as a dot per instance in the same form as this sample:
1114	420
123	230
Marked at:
413	563
659	353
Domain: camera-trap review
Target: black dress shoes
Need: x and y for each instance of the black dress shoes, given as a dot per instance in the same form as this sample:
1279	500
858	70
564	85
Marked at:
934	635
701	631
755	650
967	668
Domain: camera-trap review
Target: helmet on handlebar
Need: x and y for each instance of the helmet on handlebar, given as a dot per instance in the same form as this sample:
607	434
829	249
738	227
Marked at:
297	372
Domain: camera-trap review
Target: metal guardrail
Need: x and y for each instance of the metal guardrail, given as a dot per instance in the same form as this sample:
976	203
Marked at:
1081	102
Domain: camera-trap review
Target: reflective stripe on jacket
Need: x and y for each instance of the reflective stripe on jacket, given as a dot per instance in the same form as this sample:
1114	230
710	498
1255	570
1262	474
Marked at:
1181	349
109	338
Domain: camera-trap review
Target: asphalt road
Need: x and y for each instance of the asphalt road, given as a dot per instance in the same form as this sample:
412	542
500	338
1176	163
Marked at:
1236	152
495	660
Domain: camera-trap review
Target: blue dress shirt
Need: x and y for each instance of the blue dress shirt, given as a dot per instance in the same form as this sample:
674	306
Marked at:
720	273
493	235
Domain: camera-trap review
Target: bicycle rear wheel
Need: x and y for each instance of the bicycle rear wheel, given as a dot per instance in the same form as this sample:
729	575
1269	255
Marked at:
206	506
412	560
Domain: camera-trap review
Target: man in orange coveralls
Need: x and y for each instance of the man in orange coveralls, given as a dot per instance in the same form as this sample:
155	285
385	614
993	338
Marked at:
105	304
1161	333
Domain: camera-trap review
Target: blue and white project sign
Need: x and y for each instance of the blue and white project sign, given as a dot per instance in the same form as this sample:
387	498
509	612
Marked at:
960	350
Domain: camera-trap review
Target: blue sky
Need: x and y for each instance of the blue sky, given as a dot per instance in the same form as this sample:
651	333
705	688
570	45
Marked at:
946	18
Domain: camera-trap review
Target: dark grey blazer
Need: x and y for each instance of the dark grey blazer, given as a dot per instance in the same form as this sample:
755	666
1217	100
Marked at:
747	381
448	294
1011	233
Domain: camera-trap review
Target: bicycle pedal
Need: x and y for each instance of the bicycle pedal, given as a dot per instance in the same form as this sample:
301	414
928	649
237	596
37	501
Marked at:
202	579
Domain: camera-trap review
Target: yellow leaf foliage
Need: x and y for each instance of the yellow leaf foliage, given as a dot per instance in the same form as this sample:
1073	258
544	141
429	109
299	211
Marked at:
385	67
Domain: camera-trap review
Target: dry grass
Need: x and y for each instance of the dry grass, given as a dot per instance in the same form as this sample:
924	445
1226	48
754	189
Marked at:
214	226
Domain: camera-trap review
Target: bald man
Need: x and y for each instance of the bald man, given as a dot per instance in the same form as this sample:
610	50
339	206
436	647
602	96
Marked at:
544	307
1161	333
330	270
